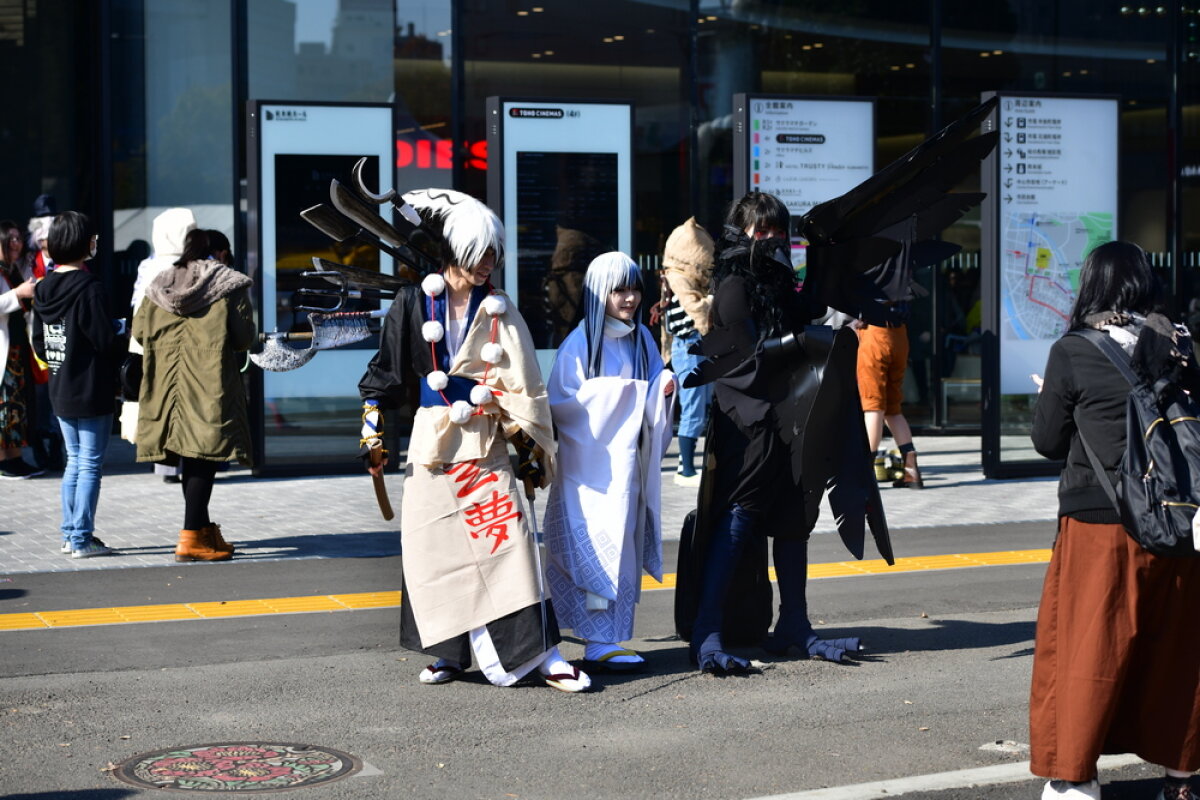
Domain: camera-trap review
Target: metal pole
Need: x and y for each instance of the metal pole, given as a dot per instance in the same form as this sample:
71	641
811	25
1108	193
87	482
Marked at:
937	299
458	67
240	88
1175	156
103	153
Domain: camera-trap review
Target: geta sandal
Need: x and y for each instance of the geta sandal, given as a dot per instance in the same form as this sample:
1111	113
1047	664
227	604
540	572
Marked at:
571	682
439	673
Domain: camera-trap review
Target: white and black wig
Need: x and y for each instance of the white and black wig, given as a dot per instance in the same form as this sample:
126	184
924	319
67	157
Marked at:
463	227
606	274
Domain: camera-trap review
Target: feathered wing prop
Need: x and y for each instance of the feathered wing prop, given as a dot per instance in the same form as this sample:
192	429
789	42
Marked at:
887	223
862	250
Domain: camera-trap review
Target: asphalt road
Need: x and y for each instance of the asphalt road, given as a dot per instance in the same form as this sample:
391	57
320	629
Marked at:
947	672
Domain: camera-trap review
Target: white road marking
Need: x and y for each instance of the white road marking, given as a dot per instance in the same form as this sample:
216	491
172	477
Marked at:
958	779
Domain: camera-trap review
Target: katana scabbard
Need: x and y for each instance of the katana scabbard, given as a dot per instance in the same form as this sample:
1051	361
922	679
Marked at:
375	458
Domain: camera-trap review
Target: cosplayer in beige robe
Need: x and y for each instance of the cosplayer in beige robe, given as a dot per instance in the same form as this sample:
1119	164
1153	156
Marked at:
458	350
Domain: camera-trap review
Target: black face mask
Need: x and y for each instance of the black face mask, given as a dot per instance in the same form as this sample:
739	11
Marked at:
777	248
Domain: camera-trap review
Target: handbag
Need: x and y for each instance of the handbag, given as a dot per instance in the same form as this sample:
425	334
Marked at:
131	377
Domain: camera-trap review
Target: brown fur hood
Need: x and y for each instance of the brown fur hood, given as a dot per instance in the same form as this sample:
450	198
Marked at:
194	287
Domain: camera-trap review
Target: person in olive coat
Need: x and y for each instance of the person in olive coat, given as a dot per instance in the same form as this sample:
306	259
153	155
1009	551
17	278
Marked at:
192	403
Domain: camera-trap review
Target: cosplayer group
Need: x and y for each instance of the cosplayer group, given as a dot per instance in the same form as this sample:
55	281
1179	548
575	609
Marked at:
457	354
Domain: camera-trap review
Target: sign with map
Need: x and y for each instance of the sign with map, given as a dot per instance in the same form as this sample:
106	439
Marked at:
1056	198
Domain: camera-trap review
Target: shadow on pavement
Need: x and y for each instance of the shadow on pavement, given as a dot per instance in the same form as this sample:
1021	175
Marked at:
367	544
943	635
1131	789
11	594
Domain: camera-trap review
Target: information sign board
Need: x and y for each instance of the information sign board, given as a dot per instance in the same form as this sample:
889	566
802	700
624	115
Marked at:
803	150
560	175
1053	199
299	149
304	417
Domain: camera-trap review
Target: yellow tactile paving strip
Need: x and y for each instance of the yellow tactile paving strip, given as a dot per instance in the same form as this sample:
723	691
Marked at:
346	602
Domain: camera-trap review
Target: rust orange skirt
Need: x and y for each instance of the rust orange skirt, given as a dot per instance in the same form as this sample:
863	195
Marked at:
1116	666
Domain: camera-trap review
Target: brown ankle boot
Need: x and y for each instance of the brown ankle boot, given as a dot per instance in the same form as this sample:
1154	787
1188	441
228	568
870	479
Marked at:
213	531
195	546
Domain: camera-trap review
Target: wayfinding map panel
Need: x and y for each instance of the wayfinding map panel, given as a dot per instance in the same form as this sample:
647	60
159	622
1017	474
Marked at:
1056	193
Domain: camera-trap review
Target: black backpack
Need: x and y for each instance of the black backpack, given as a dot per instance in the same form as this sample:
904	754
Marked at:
1158	480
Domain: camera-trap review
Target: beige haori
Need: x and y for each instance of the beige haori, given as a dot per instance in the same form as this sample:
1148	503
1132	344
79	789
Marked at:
469	550
468	547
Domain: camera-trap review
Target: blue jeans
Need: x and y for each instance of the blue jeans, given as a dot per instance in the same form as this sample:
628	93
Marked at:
86	439
693	403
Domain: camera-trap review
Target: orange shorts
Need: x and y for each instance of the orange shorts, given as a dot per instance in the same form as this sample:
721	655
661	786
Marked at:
882	358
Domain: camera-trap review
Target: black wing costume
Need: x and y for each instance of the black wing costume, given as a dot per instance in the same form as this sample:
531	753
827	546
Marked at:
787	423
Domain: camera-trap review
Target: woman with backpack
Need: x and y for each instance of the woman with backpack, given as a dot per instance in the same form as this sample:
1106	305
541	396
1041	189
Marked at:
1116	664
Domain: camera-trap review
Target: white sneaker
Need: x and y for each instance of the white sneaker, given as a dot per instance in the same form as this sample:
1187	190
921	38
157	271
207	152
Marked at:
1065	790
687	480
65	549
93	548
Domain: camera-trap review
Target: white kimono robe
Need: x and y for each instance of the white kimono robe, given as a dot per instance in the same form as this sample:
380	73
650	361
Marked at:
603	521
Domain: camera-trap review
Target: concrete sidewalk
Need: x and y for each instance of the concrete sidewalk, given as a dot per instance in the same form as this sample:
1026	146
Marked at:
336	517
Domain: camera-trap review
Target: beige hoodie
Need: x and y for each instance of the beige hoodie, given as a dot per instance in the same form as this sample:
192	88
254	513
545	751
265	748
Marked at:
688	261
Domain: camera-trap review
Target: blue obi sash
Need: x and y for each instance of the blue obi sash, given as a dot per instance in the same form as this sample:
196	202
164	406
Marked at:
458	388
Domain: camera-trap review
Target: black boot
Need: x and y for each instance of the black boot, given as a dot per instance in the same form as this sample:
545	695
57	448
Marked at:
728	540
793	628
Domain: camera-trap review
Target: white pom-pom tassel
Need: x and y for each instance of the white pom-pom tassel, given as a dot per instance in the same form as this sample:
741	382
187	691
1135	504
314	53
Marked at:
491	353
494	305
437	380
433	285
481	395
432	331
460	412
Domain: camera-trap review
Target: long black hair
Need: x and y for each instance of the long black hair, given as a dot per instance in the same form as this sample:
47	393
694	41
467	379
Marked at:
1115	277
771	283
196	247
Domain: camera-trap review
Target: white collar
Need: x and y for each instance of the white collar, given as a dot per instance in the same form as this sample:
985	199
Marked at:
616	328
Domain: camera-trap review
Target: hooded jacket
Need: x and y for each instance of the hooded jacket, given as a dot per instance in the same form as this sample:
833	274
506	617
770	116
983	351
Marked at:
194	323
74	333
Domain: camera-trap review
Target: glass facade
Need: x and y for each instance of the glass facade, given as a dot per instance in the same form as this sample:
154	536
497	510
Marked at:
147	99
169	77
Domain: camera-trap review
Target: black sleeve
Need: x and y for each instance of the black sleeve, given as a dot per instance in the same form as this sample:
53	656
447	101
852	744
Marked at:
1053	417
39	336
94	321
733	318
391	369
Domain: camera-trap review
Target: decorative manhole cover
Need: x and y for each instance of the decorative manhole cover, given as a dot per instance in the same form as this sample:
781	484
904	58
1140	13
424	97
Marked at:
238	767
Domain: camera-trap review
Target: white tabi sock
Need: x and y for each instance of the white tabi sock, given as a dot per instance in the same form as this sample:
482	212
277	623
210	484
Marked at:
596	651
554	664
